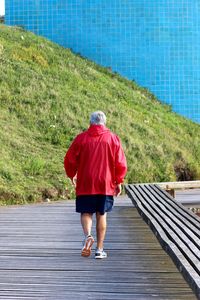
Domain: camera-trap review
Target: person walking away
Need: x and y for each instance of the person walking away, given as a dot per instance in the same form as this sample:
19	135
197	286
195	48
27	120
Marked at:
96	164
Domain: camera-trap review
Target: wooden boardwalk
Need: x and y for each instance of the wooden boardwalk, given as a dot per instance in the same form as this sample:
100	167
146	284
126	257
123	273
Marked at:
190	198
40	257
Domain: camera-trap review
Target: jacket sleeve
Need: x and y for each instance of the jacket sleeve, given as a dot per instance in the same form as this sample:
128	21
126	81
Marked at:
71	159
120	164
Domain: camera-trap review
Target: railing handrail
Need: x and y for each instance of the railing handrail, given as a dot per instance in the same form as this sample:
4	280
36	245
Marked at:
177	184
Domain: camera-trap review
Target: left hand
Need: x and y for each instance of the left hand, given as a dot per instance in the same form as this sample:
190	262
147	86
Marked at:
118	189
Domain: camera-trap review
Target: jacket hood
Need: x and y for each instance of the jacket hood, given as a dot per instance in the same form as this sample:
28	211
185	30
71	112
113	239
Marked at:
96	130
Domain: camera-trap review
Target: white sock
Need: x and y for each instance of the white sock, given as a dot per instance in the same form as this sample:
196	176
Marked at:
86	235
100	249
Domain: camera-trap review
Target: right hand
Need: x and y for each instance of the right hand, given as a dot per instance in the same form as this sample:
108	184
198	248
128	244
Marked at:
74	180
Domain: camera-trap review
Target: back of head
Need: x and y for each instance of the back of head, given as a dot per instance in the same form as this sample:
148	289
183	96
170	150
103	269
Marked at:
98	118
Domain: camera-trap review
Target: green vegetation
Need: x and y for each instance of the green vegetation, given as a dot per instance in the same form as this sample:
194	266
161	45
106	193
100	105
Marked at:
46	96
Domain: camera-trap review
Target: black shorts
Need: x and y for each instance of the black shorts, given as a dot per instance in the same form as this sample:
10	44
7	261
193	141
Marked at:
94	203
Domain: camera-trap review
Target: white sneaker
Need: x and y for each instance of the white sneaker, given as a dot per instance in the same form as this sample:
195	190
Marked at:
87	247
99	254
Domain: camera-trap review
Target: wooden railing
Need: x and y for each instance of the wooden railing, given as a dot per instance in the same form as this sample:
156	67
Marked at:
171	187
176	228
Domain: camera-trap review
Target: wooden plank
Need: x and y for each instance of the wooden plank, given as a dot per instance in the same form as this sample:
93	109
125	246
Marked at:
94	296
52	276
175	233
174	211
170	247
189	198
170	227
176	185
187	217
40	258
188	212
102	287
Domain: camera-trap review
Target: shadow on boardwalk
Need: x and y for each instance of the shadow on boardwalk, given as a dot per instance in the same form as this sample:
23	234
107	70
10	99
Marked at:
40	257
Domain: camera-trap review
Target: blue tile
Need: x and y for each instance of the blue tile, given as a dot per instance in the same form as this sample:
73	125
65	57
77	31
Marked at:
154	42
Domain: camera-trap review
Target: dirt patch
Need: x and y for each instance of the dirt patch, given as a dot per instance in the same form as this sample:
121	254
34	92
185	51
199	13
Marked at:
5	196
183	171
54	193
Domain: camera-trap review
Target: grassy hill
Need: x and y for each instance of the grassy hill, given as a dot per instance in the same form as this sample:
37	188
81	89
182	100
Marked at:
46	96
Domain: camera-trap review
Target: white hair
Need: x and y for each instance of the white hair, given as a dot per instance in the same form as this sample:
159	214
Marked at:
98	118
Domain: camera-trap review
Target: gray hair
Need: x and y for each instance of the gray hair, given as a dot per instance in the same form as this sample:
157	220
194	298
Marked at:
98	118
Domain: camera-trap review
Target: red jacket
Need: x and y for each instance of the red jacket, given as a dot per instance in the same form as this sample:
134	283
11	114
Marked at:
97	158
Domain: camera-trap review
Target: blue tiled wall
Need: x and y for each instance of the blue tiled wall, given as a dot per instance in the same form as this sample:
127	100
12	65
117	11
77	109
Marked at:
154	42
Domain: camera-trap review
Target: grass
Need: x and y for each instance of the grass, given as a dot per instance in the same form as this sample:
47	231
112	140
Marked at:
46	96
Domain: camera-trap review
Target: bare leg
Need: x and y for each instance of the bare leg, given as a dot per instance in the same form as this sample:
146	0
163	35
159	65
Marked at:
101	225
86	222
